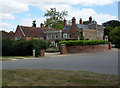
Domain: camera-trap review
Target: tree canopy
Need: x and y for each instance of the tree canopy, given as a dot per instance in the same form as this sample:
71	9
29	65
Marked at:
112	23
115	36
54	19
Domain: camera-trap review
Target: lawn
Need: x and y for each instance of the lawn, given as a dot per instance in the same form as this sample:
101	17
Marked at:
47	77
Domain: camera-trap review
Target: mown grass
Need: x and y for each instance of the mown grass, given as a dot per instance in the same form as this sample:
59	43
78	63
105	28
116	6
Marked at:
30	77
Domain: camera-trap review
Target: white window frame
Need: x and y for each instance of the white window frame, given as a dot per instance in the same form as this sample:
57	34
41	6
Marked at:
65	36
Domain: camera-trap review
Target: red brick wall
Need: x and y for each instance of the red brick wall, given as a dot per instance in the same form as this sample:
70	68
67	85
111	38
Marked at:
42	52
84	49
63	49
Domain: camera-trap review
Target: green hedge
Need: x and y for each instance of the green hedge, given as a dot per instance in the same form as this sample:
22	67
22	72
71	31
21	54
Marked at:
22	47
83	42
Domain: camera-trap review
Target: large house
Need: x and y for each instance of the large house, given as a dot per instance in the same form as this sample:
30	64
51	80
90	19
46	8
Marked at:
30	32
91	31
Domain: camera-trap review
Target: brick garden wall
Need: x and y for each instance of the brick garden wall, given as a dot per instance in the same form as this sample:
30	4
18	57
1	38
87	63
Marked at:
83	49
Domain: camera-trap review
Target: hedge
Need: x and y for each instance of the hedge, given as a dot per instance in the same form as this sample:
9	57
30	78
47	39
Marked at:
83	42
22	47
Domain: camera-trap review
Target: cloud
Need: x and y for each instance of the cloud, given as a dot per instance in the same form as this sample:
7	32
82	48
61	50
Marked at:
6	17
5	26
12	6
85	13
28	21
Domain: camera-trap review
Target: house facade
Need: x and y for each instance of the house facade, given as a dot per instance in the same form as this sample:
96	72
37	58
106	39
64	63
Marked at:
30	32
91	31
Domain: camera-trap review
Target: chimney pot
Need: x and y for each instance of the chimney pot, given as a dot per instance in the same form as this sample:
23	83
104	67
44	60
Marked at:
42	25
73	21
65	23
80	21
90	20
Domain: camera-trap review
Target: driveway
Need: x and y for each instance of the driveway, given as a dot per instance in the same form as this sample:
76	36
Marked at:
105	62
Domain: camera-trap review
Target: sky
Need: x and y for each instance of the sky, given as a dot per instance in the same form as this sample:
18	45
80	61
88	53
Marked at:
23	12
119	11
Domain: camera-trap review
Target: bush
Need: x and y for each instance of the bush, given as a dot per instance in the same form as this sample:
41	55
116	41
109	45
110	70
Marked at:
83	42
115	36
22	47
8	47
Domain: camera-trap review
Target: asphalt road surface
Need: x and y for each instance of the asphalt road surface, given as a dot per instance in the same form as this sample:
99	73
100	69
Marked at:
106	62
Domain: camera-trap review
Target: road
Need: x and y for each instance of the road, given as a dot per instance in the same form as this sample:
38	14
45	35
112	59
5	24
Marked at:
106	62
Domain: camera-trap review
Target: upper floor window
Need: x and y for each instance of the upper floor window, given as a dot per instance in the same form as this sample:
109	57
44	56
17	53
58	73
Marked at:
85	35
56	36
65	35
90	36
51	36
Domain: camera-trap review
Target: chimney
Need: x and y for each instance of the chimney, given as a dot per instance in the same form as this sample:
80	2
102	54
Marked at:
73	21
42	25
80	21
90	20
65	23
73	29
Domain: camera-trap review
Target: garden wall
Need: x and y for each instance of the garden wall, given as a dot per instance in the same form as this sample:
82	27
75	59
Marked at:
83	49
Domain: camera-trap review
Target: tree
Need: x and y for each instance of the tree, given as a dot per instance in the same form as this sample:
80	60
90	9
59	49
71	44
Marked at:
112	23
34	23
55	19
109	26
85	22
69	22
115	36
107	30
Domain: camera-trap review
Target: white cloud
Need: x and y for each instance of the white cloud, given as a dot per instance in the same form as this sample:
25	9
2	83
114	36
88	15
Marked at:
9	7
86	13
28	21
6	17
5	26
12	6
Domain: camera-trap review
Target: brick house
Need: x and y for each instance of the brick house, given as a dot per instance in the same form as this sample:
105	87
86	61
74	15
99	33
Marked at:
30	32
91	31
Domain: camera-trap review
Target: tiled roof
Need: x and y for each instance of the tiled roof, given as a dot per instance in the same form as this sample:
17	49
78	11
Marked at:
78	25
7	35
34	31
67	27
82	26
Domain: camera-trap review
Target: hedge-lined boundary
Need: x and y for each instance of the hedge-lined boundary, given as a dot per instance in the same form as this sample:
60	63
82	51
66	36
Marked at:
22	47
83	42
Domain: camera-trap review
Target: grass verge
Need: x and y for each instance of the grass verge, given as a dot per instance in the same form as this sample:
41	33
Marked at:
8	58
35	77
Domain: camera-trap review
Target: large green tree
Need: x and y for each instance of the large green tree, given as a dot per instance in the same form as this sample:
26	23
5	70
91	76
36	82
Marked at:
112	23
115	36
54	19
109	26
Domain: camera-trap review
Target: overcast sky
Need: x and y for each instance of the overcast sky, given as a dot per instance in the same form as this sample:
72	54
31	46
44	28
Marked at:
23	12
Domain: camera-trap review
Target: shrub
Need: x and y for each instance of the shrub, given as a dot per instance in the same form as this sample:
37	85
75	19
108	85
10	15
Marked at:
22	47
83	42
8	47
